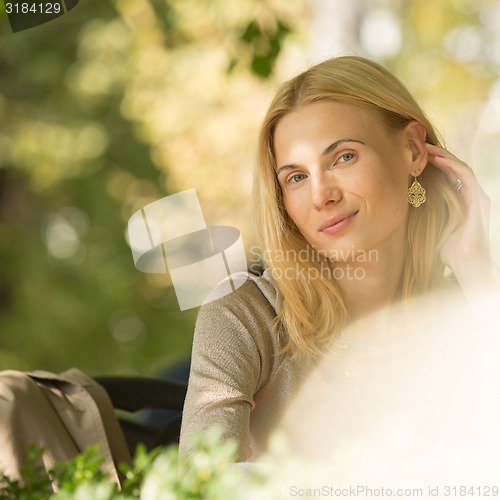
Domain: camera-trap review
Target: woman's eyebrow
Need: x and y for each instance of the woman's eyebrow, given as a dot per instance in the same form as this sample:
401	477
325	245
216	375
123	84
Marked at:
332	147
336	144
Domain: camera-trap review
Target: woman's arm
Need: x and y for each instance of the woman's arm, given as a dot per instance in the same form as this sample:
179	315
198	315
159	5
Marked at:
467	251
231	360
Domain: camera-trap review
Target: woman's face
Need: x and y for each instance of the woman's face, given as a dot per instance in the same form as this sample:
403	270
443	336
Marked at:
345	175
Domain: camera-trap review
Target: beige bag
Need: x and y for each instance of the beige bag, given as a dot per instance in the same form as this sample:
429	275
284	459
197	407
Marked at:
63	413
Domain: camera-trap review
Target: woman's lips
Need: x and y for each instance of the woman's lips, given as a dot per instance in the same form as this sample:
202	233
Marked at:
337	224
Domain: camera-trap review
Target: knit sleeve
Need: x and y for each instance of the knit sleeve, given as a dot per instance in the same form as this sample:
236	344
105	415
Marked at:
232	358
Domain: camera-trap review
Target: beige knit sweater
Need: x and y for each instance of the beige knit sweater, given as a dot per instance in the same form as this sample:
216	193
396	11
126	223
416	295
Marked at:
238	380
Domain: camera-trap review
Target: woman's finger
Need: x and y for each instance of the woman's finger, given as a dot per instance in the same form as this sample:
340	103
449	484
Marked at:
459	174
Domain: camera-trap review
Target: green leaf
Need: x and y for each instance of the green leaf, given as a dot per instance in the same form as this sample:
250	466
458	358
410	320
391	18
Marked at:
252	32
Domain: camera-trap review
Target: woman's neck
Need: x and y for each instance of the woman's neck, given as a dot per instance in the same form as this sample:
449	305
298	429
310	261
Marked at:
369	286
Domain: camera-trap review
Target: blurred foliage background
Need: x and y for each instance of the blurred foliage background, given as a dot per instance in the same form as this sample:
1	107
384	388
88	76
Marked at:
121	102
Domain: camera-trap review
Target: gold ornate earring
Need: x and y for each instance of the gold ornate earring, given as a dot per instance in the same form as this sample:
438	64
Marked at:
416	193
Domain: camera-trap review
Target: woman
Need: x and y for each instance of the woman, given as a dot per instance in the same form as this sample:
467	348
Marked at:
358	207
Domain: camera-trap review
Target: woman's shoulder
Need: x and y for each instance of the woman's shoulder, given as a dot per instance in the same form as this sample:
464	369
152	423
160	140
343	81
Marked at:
244	291
243	306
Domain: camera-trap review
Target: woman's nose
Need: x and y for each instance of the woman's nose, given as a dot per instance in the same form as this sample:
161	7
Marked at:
324	191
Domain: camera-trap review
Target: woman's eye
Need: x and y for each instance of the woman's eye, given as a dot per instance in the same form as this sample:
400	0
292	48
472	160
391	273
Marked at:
346	157
295	178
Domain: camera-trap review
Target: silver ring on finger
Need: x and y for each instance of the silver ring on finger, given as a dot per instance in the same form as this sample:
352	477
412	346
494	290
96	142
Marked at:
458	185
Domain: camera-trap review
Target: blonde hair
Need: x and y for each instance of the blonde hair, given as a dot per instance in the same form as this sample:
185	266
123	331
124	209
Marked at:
313	309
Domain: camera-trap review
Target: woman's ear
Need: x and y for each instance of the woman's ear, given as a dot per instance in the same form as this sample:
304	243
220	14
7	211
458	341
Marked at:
415	137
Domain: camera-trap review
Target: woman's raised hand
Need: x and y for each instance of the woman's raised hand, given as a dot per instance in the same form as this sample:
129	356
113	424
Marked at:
467	251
